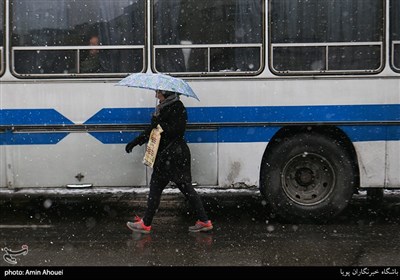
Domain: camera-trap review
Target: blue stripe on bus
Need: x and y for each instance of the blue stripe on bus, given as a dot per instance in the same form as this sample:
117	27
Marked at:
121	116
295	113
114	137
333	113
246	134
393	133
32	117
9	138
213	115
257	134
16	117
371	133
197	136
222	135
340	113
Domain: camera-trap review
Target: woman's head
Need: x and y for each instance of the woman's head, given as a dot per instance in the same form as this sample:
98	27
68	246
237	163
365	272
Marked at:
163	94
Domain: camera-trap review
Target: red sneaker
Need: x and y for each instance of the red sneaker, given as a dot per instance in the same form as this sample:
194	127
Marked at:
138	226
201	226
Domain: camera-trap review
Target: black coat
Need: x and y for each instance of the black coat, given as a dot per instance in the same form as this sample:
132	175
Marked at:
173	156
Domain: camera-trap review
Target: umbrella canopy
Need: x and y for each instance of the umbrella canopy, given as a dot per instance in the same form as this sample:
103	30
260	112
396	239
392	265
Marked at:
158	82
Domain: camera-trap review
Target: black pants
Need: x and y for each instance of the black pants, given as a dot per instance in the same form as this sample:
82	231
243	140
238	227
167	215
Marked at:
157	185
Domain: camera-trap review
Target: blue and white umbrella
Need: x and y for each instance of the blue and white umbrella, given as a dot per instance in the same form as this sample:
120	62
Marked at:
158	82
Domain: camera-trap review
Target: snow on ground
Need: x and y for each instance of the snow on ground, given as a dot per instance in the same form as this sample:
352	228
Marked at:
118	190
143	190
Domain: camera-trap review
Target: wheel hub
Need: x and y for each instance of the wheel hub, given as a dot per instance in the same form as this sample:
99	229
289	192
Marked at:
304	177
308	179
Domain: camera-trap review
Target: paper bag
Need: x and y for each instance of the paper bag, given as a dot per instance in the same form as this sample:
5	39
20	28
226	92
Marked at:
152	146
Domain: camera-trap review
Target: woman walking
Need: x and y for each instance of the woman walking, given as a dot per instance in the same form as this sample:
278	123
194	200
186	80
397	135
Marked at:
172	164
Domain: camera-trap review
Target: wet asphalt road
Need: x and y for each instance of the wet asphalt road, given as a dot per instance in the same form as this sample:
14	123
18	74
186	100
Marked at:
91	231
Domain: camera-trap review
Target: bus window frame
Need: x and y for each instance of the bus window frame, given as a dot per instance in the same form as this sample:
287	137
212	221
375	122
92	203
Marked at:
393	65
78	49
393	42
209	47
261	46
2	47
327	45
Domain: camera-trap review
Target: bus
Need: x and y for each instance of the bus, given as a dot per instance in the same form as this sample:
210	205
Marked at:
300	98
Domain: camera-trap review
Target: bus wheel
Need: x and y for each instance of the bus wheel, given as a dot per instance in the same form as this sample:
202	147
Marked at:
307	177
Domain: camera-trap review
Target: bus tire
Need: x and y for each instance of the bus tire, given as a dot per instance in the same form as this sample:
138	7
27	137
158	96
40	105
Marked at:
308	177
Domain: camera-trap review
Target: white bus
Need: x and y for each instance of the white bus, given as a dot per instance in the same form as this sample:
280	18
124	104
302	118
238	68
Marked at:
298	97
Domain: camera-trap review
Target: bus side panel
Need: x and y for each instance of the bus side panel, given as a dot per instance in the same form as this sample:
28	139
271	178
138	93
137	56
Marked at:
78	158
240	163
3	167
393	164
204	163
371	159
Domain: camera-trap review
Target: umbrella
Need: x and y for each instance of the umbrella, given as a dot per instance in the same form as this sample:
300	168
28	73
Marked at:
158	82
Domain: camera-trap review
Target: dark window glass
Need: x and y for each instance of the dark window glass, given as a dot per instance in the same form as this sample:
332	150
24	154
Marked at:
197	60
395	19
2	24
395	33
318	21
45	62
188	59
1	38
299	58
208	22
225	59
396	56
341	29
96	36
354	58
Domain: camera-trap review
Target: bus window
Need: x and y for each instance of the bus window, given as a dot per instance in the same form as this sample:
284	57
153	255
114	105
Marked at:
1	39
395	34
55	38
208	37
326	36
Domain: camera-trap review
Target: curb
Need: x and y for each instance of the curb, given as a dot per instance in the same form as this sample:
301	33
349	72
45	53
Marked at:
123	194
